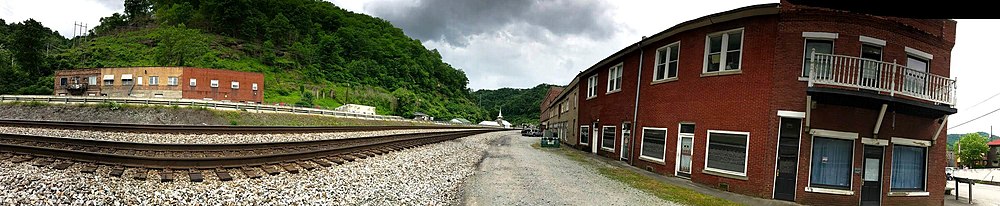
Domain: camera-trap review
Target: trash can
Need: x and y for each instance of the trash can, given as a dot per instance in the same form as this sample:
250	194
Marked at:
548	140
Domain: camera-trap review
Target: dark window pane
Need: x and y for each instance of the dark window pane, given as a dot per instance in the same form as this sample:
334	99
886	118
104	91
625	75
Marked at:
652	143
659	72
674	52
673	69
831	163
735	40
584	135
661	56
713	62
715	44
820	46
608	137
727	152
733	60
687	128
871	52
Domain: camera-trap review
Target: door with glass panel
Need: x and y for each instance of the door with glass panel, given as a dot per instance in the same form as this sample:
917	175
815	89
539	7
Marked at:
593	138
915	75
685	148
626	140
871	185
788	158
871	66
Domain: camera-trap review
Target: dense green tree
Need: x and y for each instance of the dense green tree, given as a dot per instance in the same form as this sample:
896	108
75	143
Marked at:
972	148
29	47
180	46
176	14
138	9
110	24
280	31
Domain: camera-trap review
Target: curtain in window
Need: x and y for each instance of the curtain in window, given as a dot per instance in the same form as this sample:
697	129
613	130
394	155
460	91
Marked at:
831	163
652	143
908	168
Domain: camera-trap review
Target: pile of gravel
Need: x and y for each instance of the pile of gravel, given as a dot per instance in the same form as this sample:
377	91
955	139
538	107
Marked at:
428	175
204	138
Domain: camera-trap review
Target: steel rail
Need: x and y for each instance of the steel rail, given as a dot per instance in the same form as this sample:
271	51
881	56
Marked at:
205	129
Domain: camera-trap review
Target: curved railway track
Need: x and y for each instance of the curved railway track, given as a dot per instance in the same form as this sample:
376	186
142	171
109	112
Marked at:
194	160
205	129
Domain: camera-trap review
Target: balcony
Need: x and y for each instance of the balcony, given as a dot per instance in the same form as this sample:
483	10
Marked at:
859	82
886	78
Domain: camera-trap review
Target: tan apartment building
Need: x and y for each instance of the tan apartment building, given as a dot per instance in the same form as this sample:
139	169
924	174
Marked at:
561	114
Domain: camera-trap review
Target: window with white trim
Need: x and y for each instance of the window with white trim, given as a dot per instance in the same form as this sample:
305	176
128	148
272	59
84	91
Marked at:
584	135
253	86
213	83
235	84
154	80
194	82
592	87
608	138
92	80
615	78
831	163
915	80
653	143
821	46
909	168
723	51
667	62
727	152
172	81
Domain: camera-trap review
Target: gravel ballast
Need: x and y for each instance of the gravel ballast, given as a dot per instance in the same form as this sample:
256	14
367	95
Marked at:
159	138
427	175
514	173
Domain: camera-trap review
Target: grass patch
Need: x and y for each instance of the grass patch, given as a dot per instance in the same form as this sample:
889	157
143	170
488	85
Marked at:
652	186
536	146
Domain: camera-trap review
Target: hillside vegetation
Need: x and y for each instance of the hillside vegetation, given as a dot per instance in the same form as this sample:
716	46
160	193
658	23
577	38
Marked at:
312	53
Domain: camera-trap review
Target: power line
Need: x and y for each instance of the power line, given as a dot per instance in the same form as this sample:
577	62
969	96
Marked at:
987	99
974	119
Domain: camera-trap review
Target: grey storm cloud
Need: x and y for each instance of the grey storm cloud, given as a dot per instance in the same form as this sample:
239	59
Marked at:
112	4
455	21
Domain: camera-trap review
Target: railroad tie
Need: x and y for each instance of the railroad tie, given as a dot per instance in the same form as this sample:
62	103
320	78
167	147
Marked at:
307	165
117	171
291	168
43	163
223	175
89	169
5	156
62	165
338	160
359	155
22	159
270	170
251	173
166	175
140	174
370	154
347	157
196	175
323	162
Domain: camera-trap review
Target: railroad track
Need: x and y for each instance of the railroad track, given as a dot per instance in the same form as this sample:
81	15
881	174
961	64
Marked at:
205	129
195	160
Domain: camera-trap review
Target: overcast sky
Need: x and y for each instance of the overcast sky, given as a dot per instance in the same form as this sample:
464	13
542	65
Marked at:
522	43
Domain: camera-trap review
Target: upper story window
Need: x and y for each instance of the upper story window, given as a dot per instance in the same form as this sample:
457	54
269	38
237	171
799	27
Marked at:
92	80
127	79
154	80
109	80
723	51
870	66
592	87
666	62
615	78
213	83
194	82
235	84
253	86
820	46
63	81
918	69
172	81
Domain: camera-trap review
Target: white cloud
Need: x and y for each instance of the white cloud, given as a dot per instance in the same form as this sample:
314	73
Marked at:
58	15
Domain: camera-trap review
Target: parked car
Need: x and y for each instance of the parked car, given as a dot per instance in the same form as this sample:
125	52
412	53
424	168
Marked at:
949	172
525	131
535	133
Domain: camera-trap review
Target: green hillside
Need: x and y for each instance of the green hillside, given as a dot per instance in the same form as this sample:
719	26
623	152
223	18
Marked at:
519	105
312	54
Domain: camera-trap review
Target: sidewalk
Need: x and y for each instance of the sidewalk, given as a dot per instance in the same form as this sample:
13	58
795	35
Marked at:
738	198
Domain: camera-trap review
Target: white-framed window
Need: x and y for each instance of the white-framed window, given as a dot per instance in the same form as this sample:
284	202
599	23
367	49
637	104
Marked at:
831	162
138	80
653	145
727	152
213	83
615	78
667	62
235	84
154	80
194	82
127	79
821	46
909	168
253	86
917	70
723	51
92	80
109	80
608	138
172	81
592	87
584	134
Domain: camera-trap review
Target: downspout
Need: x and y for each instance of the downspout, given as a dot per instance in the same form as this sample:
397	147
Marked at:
635	112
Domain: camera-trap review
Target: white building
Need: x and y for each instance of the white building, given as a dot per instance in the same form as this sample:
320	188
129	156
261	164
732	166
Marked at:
358	109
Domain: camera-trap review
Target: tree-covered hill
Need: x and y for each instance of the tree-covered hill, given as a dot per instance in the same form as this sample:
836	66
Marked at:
519	105
953	138
312	53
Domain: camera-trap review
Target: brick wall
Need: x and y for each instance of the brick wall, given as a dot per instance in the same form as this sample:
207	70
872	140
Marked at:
202	89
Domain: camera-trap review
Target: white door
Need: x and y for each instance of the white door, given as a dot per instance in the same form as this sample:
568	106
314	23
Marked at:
626	140
593	139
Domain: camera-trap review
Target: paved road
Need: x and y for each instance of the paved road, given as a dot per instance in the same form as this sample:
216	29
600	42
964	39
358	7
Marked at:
514	173
982	194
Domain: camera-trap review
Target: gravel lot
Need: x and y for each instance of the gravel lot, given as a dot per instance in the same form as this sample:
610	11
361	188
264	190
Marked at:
428	175
202	138
514	173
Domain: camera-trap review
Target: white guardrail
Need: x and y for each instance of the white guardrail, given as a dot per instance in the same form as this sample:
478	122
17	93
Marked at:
199	103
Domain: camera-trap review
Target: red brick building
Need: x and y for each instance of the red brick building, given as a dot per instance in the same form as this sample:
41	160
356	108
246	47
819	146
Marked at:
162	82
782	101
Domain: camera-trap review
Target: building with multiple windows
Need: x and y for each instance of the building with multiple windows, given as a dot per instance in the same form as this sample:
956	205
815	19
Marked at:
559	113
162	82
782	101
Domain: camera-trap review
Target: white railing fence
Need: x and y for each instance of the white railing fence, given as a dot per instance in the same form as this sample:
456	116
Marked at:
888	77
